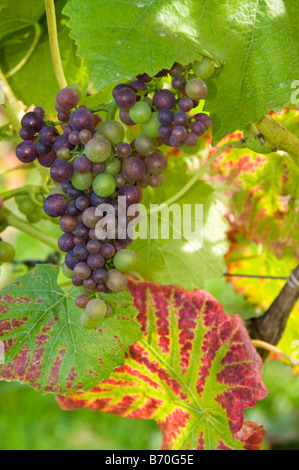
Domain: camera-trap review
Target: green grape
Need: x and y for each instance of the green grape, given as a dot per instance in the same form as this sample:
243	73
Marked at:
7	252
66	271
98	149
116	281
146	145
63	153
104	185
196	89
26	206
82	181
140	112
112	131
96	309
34	216
86	322
126	260
40	197
151	127
113	167
204	69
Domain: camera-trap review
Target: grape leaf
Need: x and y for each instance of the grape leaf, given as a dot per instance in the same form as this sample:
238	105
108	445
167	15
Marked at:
194	371
184	262
256	43
45	345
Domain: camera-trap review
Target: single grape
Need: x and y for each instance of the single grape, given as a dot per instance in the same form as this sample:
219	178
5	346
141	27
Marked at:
120	180
124	116
125	98
68	223
74	138
81	119
82	164
198	128
126	260
179	133
89	217
80	252
32	122
176	70
164	99
67	271
55	205
89	283
81	301
26	135
104	185
98	149
82	181
107	250
26	151
26	206
93	246
85	135
67	98
124	150
77	282
185	104
61	171
42	148
151	128
191	139
98	168
204	69
71	191
112	131
63	115
140	112
204	118
144	182
178	83
96	309
82	232
113	167
146	145
72	209
132	194
39	110
196	89
62	141
82	270
165	116
156	181
63	153
48	134
156	163
82	203
116	281
67	129
181	119
7	252
133	168
165	131
100	275
70	260
66	242
95	261
138	85
96	200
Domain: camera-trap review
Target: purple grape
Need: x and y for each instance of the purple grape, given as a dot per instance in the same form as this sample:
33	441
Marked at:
82	203
119	87
181	119
89	283
173	142
179	133
48	134
107	250
176	70
185	104
77	282
26	151
133	168
66	242
165	116
47	160
85	135
132	194
96	200
42	148
204	118
67	129
165	131
81	164
144	77
95	261
101	287
125	118
72	209
25	135
55	205
70	260
163	99
68	223
124	150
100	275
61	171
178	83
89	218
71	191
156	163
81	119
80	252
32	122
82	300
198	128
63	115
191	139
82	232
62	141
39	110
97	168
82	270
93	246
156	181
125	98
67	98
144	182
74	138
138	85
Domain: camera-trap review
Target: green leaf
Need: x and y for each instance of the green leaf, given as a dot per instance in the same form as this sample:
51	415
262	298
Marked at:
184	262
45	345
256	43
194	372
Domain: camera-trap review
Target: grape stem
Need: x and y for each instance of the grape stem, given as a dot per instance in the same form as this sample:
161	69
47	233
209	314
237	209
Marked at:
27	228
24	190
199	174
54	46
270	348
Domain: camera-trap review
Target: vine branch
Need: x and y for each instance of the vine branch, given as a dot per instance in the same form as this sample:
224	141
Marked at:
270	326
11	106
54	46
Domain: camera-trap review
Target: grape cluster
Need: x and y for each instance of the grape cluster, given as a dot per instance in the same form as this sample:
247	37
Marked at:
91	164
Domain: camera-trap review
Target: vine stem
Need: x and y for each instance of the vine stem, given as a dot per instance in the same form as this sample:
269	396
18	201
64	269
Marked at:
54	46
37	34
270	348
25	227
11	106
199	174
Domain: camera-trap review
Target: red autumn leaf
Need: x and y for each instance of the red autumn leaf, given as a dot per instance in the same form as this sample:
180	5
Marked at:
194	371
